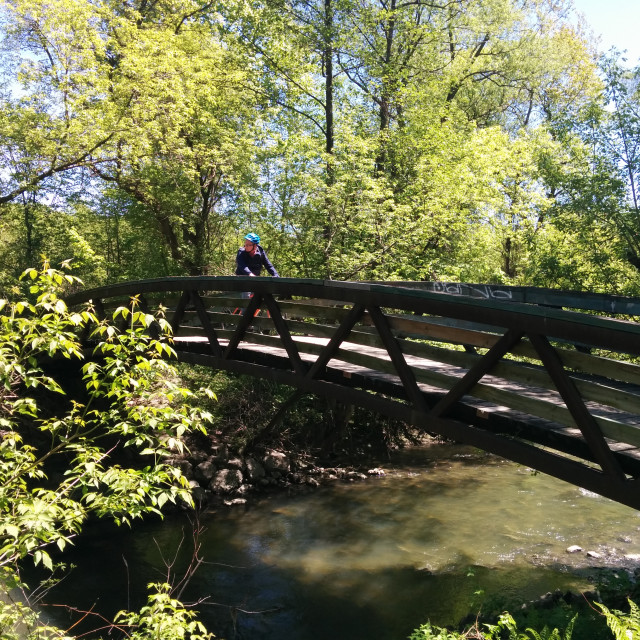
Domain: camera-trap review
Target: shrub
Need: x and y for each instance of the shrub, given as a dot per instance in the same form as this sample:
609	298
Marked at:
75	468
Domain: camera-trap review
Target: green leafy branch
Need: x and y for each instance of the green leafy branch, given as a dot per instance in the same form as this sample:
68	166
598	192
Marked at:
130	401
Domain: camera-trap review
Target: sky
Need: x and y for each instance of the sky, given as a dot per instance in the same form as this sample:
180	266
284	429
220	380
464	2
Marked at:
617	22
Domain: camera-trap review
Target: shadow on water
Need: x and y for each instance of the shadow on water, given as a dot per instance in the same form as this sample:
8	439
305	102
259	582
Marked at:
250	599
374	559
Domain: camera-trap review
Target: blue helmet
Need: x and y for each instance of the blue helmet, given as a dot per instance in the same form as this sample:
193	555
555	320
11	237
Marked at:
252	237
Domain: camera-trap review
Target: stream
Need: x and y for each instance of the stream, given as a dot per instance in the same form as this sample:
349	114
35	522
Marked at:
446	531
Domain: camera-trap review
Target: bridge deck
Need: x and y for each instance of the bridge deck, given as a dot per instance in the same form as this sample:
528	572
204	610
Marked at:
540	430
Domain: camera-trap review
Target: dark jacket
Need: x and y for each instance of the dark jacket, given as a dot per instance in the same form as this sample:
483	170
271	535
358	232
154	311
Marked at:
247	263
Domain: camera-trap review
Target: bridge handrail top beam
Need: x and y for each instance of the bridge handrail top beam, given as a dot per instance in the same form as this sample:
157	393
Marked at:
585	300
498	313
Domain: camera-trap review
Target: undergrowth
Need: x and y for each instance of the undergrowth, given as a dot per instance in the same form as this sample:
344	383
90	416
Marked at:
252	412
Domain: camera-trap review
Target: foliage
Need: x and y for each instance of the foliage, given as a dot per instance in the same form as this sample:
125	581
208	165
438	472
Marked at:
506	628
591	177
32	230
60	467
164	618
138	114
19	621
373	141
625	626
428	632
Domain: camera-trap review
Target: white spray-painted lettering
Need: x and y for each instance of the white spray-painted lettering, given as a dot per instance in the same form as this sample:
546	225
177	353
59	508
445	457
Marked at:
481	291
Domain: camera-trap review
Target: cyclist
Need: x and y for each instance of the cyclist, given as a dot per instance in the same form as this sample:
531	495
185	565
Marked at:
252	257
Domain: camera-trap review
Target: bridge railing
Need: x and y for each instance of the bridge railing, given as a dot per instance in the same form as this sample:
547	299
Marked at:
502	375
607	304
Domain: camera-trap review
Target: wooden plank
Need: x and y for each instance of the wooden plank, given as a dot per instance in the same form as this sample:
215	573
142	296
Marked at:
425	328
593	364
511	371
515	399
607	303
591	391
499	398
305	309
520	386
547	461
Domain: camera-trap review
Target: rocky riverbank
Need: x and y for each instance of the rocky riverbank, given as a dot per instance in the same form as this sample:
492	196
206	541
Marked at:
219	474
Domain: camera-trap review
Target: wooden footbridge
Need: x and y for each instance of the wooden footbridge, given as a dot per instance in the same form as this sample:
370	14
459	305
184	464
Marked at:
548	379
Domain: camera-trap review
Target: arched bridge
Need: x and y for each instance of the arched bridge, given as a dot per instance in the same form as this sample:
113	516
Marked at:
545	378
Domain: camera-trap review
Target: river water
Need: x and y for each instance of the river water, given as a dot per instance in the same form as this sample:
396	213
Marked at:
447	531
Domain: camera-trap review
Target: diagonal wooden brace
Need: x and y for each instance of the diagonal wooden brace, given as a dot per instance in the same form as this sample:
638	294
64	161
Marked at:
398	360
479	369
205	321
178	314
245	322
281	327
340	335
325	356
572	398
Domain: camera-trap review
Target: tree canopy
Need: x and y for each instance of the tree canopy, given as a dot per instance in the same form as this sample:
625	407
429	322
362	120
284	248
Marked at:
362	139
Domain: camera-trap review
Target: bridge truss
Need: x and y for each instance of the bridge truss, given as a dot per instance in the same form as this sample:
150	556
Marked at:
509	371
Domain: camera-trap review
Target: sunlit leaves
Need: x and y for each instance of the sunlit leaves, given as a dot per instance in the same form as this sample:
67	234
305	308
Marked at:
130	379
163	618
147	97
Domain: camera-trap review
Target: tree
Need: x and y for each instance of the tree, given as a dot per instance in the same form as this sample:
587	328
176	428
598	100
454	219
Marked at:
590	176
59	468
143	96
419	92
363	139
54	115
621	146
191	121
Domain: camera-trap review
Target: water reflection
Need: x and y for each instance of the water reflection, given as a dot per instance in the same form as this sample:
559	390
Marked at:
430	540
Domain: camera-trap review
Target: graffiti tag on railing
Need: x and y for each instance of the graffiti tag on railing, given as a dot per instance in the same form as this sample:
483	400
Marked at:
486	291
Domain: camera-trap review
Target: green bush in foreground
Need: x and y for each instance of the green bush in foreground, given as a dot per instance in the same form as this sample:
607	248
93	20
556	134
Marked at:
60	467
625	626
427	632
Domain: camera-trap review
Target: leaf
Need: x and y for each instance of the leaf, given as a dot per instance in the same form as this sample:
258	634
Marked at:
11	530
42	557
